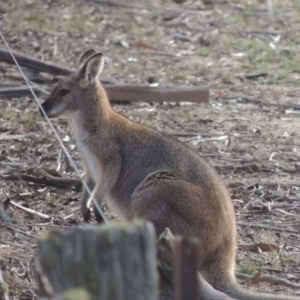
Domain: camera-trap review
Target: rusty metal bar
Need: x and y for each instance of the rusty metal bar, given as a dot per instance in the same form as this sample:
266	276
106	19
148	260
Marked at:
186	286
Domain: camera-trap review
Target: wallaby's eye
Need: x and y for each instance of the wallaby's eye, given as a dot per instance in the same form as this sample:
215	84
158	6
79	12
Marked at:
63	92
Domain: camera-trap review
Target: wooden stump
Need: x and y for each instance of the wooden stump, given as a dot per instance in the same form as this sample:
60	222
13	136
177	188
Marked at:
99	262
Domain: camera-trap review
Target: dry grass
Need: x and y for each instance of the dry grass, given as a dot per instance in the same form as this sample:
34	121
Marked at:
192	44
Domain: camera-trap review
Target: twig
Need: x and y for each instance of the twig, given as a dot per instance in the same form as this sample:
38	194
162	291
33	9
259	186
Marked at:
268	227
253	76
118	3
62	183
266	32
3	288
30	211
268	278
7	137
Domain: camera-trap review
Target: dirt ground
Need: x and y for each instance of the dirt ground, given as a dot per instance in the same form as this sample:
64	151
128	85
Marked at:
248	55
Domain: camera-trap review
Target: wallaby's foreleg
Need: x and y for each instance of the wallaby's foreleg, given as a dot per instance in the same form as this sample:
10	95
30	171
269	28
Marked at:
85	210
98	216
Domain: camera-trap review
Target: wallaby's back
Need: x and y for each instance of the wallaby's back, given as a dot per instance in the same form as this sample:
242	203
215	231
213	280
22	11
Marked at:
141	172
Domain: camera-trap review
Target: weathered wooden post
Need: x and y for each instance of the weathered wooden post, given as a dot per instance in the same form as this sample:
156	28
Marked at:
99	262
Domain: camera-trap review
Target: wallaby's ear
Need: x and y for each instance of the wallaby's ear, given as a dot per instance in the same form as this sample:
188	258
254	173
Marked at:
91	69
85	56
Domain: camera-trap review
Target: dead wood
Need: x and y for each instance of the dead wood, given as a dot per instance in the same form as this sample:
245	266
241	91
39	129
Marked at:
42	66
268	278
281	229
31	211
251	168
34	64
21	91
118	3
147	93
102	262
63	183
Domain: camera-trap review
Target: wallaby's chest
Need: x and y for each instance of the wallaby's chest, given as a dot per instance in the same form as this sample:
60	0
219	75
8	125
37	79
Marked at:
84	146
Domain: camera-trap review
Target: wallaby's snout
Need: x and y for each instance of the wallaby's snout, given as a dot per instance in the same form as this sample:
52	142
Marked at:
72	93
45	106
50	106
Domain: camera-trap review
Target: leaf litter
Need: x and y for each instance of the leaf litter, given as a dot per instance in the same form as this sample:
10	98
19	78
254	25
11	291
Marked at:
248	131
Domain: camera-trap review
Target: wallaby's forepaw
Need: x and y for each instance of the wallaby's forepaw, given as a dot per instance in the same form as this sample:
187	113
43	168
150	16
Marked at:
98	216
86	213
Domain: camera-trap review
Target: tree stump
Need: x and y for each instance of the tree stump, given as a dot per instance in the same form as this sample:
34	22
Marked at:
99	262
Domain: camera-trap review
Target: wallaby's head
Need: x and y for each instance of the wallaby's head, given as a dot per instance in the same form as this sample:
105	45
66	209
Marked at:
70	93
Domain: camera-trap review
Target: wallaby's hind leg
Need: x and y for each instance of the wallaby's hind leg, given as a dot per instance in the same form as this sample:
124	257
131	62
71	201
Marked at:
186	209
85	210
98	216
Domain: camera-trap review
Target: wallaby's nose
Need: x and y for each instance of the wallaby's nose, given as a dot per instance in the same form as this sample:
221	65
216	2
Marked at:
40	110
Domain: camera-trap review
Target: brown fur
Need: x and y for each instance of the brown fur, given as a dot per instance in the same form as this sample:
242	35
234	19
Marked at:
147	174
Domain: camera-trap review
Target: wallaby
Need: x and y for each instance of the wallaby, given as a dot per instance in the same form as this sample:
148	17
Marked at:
144	173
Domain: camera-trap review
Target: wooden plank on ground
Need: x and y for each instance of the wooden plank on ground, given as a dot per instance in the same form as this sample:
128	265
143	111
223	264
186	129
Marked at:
17	92
33	63
42	66
145	93
116	91
132	93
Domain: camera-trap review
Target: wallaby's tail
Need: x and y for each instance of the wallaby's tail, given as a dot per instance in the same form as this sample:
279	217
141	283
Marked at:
233	290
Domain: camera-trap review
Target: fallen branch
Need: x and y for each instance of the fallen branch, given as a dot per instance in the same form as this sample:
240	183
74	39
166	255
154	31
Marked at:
269	279
63	183
281	229
119	3
42	66
251	168
30	211
15	92
34	64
